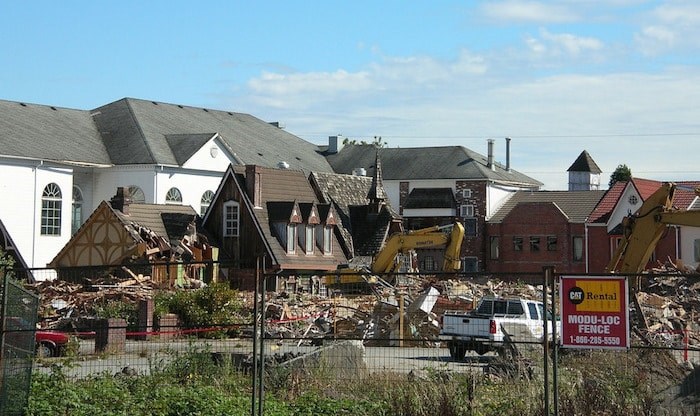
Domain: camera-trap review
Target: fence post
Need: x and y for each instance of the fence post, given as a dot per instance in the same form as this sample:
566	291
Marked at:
146	307
545	346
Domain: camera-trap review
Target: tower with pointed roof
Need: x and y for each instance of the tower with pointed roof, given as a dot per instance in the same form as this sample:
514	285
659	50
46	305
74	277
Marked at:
584	174
376	194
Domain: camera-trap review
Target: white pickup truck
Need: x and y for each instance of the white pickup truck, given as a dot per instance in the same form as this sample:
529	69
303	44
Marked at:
481	330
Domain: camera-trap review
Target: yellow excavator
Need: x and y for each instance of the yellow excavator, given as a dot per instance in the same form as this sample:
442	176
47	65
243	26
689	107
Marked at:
385	261
643	229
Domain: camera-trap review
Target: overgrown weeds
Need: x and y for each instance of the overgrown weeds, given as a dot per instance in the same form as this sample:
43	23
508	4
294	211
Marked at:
192	382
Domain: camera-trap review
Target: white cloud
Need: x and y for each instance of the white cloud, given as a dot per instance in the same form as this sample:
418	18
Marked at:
672	25
637	119
527	11
571	44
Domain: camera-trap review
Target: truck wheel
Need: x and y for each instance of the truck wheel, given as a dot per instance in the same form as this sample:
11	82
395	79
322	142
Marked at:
457	350
481	349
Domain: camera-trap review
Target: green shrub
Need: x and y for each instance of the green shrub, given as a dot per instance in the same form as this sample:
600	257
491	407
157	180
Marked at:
213	305
119	309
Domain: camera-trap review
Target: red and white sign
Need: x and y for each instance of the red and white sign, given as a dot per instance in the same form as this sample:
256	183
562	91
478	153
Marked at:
594	312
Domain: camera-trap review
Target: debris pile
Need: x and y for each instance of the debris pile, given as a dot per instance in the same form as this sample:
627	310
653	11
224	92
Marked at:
662	309
61	300
665	308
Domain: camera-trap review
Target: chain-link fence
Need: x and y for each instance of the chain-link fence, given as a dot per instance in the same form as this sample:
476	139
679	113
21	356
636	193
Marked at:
19	316
374	344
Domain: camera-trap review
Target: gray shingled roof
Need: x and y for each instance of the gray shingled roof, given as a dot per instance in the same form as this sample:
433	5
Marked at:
584	163
169	221
135	132
577	205
132	131
448	162
49	133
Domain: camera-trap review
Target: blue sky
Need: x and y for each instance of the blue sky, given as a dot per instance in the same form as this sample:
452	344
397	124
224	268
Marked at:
618	78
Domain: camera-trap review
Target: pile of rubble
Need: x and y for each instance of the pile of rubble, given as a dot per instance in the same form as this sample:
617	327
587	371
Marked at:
662	308
60	300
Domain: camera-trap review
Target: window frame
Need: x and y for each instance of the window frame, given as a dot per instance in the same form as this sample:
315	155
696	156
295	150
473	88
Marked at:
173	196
535	242
518	243
576	245
291	245
327	240
466	210
51	210
76	209
230	225
470	227
310	239
137	195
552	243
205	201
494	247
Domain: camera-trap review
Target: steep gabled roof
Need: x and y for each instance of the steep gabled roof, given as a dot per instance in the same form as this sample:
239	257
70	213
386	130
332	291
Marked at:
50	133
448	162
576	205
584	163
607	203
281	189
646	187
135	132
349	194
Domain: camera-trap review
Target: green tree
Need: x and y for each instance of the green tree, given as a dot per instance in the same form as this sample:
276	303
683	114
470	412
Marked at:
621	174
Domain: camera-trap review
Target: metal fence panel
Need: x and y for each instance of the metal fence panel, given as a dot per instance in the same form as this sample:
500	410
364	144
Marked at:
19	325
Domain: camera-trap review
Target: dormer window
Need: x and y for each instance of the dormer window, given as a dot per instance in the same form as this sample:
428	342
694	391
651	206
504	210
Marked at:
327	240
309	241
291	238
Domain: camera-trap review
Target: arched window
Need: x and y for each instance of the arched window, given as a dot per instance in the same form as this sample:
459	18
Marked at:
77	214
51	210
137	195
173	196
207	197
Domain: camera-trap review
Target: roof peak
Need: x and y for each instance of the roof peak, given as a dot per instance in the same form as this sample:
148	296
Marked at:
584	163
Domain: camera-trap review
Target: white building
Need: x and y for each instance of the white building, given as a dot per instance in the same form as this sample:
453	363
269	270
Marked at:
58	164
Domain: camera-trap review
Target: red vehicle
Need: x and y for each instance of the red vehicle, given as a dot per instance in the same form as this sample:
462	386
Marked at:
47	343
50	343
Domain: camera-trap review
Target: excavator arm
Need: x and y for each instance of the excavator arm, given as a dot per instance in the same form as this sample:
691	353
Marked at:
385	260
643	229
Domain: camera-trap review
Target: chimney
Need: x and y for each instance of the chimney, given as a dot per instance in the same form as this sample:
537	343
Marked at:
507	154
253	184
121	200
489	163
335	143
